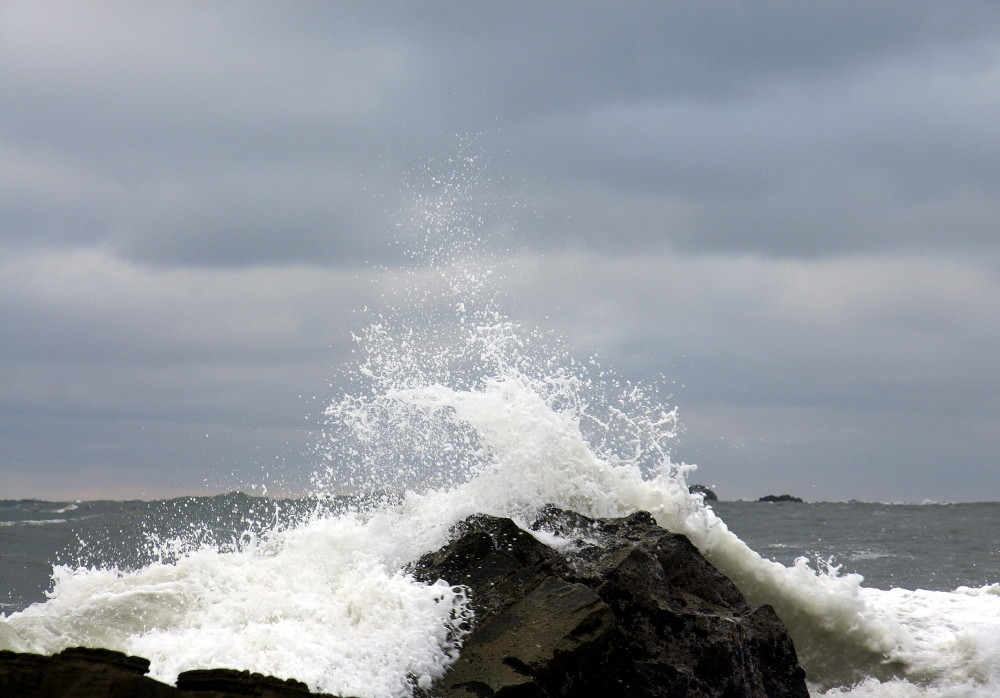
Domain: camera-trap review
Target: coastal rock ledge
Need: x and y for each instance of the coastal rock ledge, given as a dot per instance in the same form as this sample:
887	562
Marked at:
84	672
624	608
618	608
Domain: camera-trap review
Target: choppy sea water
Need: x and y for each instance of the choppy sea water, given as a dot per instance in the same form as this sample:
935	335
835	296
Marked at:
914	546
37	535
460	409
938	547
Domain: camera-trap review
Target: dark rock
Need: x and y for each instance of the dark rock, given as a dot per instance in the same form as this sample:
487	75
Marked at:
705	490
630	610
781	498
229	682
82	672
78	672
534	626
540	639
493	556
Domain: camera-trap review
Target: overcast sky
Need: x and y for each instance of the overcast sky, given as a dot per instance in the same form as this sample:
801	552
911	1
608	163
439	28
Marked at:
790	210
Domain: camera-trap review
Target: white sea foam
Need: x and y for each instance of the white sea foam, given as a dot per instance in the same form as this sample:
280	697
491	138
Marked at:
33	522
325	603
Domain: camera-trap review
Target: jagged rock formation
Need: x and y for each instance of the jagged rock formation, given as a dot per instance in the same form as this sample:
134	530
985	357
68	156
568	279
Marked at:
630	610
781	498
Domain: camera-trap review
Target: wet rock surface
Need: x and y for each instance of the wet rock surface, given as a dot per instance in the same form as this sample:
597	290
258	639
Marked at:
625	608
83	672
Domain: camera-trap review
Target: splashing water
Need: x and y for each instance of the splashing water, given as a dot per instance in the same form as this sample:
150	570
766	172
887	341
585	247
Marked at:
454	409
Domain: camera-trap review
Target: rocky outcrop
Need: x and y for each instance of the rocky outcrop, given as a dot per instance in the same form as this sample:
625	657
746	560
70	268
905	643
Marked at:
78	671
221	683
781	498
81	672
628	609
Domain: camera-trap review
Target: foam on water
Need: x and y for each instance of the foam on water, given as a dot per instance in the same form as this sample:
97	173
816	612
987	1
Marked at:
325	602
33	522
459	410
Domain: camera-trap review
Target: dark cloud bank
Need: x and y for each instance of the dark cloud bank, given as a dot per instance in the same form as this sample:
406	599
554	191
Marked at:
788	210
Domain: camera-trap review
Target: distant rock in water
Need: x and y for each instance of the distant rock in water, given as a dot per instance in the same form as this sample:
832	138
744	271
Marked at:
781	498
621	607
631	610
709	493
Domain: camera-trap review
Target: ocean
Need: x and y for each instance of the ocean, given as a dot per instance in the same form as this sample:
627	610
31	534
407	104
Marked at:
936	547
454	408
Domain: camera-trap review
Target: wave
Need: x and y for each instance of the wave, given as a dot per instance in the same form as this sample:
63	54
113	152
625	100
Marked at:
33	522
460	410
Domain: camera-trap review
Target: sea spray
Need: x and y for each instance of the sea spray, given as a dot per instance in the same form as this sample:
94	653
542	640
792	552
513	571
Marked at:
491	416
325	602
454	397
453	409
